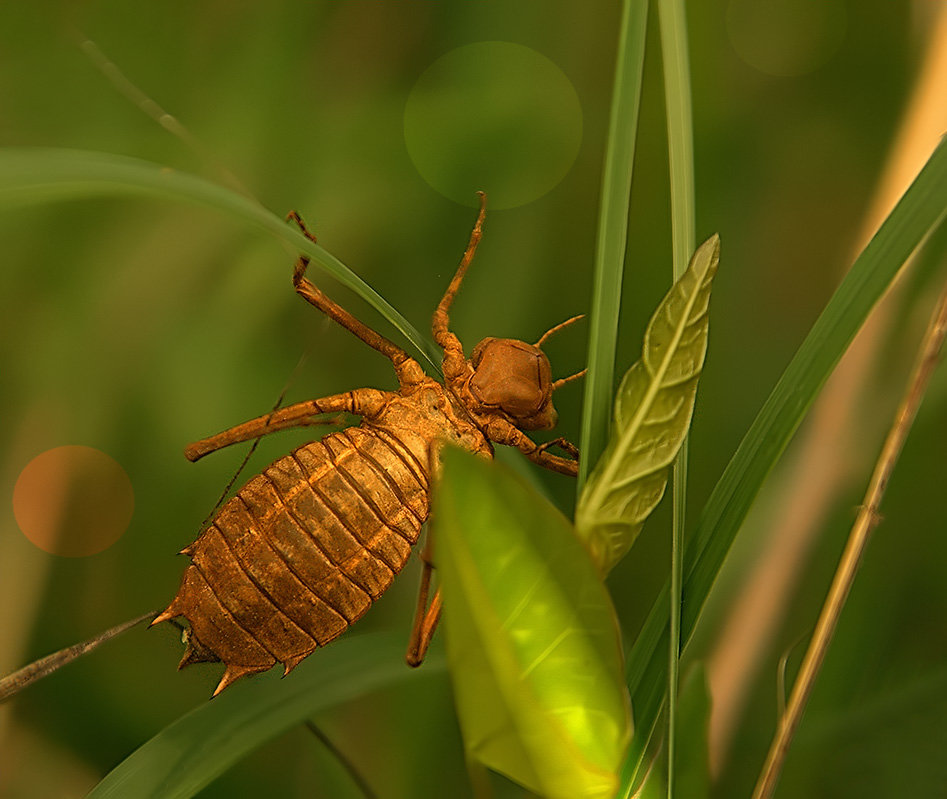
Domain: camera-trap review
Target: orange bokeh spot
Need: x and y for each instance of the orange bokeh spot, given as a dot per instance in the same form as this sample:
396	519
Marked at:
73	501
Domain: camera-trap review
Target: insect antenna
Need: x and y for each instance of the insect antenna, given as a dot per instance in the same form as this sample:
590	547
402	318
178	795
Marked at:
557	328
563	380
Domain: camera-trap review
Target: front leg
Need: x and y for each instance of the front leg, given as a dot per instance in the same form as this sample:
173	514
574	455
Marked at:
503	432
564	444
407	369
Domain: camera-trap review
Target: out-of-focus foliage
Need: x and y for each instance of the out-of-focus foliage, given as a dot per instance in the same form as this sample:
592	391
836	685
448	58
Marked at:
135	326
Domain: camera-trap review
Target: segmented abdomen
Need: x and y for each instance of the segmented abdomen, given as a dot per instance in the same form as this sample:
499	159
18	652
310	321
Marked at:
301	551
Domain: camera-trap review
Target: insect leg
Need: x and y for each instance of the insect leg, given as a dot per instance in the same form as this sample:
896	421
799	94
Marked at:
360	402
563	444
503	432
426	616
454	360
407	369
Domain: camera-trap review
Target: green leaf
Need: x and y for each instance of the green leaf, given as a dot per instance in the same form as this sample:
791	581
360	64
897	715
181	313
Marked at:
189	753
532	638
653	411
41	174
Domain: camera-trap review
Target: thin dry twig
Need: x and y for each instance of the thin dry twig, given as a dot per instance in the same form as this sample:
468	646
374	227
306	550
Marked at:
13	683
867	519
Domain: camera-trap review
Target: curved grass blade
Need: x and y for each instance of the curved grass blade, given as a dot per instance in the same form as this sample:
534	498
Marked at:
532	638
653	411
919	212
189	753
39	174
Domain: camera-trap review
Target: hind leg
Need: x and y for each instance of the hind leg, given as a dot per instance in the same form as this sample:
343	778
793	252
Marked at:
360	402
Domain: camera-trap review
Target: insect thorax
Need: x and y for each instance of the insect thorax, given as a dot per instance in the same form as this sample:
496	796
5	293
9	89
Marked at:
427	417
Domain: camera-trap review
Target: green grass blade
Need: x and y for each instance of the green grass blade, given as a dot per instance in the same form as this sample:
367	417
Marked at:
692	779
188	754
677	93
920	211
653	411
32	175
612	234
532	637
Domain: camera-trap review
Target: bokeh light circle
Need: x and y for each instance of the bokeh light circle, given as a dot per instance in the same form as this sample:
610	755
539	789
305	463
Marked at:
495	116
73	501
786	38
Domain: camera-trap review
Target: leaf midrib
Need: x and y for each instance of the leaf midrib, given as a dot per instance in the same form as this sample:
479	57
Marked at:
597	496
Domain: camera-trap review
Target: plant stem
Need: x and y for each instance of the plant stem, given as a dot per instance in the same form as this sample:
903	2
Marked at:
868	518
677	94
612	235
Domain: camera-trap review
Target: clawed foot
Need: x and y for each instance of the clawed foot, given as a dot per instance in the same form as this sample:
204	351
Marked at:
563	444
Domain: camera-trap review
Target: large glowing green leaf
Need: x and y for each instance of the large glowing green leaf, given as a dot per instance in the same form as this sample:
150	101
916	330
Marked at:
532	639
652	415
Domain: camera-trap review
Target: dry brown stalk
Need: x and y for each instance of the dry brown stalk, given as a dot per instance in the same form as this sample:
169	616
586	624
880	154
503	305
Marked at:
867	519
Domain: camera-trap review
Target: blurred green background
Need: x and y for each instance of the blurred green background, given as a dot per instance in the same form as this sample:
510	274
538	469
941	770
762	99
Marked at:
135	326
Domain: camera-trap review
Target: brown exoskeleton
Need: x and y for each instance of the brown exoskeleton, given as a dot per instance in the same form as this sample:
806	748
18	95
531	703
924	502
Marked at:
305	547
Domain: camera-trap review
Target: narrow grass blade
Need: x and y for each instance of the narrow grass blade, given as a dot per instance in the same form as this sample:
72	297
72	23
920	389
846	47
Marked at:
693	762
677	93
532	638
918	213
612	233
188	754
653	411
34	175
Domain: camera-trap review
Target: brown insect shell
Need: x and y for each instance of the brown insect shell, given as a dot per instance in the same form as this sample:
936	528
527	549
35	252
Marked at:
515	378
252	622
